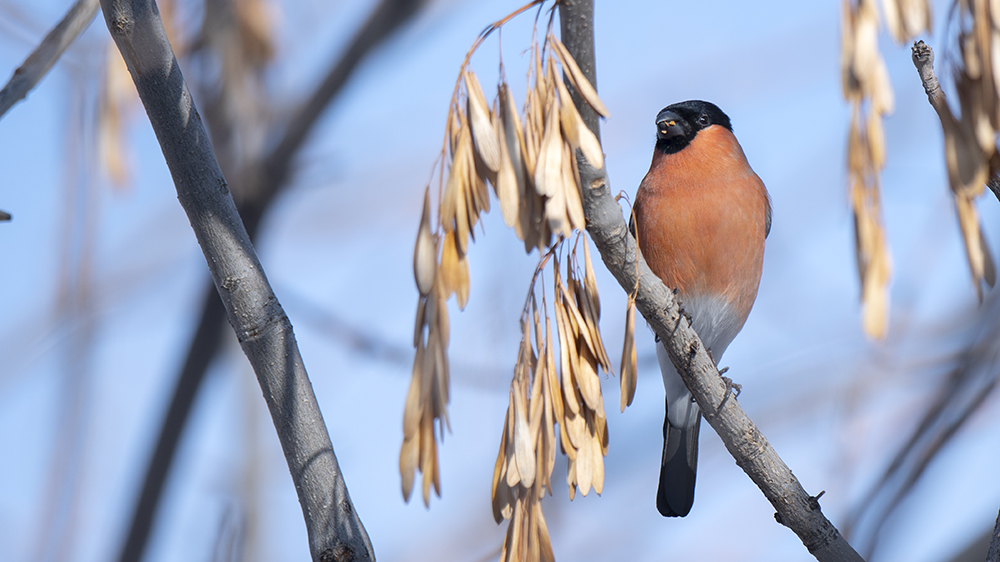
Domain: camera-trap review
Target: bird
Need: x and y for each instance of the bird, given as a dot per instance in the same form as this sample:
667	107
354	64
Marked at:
701	216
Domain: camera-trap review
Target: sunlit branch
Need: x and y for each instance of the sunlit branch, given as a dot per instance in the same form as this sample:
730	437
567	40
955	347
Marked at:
335	532
795	508
259	190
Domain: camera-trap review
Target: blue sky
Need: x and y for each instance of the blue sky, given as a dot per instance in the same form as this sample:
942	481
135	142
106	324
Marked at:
339	243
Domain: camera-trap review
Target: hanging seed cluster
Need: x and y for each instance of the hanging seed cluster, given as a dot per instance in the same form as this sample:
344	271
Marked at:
866	86
427	399
531	164
528	448
971	152
970	142
542	397
906	18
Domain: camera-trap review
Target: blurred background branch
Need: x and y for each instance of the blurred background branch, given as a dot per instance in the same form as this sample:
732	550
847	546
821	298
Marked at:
972	377
257	179
337	242
961	392
40	60
262	327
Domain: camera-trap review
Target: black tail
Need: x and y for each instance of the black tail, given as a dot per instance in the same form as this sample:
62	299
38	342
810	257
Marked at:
678	468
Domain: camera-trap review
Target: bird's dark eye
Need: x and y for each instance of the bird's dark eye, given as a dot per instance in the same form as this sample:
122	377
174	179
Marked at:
703	120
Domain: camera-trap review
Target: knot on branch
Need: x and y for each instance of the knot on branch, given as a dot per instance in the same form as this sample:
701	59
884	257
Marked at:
121	24
692	349
230	284
754	447
339	553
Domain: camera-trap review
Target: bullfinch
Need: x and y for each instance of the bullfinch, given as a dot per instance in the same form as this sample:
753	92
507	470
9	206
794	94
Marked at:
701	217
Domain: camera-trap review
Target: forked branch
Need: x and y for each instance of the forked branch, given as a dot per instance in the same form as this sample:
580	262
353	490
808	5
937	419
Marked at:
795	508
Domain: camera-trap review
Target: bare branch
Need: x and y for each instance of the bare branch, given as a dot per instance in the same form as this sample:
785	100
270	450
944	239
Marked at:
994	553
961	394
388	16
260	190
263	329
795	508
923	59
38	63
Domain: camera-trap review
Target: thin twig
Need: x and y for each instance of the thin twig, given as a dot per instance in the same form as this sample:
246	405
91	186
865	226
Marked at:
263	329
387	17
38	63
961	393
795	508
923	59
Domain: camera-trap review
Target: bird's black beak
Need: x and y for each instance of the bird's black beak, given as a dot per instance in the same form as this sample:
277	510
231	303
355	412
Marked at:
668	126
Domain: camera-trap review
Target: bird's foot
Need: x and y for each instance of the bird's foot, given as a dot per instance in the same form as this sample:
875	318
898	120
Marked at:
732	389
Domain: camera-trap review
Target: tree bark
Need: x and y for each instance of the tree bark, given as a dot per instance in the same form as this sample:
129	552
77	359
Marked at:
262	181
994	553
795	508
262	328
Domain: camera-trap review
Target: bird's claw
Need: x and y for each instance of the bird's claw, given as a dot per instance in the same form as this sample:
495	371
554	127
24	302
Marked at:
732	389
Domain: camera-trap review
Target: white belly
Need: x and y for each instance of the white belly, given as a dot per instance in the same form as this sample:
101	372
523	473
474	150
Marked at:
712	318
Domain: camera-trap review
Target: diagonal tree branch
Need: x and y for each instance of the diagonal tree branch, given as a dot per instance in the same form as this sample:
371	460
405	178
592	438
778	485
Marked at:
994	553
260	182
264	331
261	188
961	394
795	508
38	63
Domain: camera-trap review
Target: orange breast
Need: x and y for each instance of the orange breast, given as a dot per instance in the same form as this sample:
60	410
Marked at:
700	219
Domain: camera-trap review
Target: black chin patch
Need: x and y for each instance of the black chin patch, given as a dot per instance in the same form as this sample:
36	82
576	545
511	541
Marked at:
673	145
